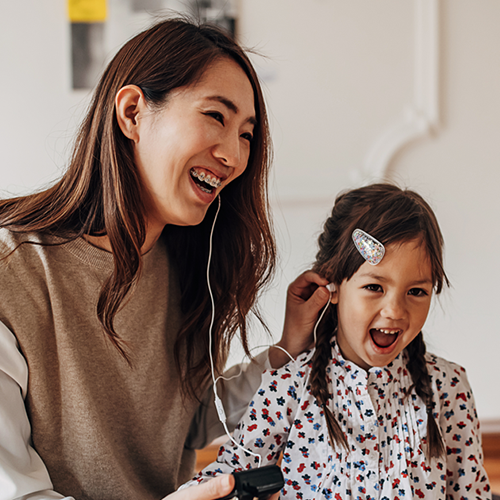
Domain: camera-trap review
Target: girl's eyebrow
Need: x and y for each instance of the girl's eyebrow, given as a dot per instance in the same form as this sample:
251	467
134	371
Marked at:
231	106
385	279
372	276
423	282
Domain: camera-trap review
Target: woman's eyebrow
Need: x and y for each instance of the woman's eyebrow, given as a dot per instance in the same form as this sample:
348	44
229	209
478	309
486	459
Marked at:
230	105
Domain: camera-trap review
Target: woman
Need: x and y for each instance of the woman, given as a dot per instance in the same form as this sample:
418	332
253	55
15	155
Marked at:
103	292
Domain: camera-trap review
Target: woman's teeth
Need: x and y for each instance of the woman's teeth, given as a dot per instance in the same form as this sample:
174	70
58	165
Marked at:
212	181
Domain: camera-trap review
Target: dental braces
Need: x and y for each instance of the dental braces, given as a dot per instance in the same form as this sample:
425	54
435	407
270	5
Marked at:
211	181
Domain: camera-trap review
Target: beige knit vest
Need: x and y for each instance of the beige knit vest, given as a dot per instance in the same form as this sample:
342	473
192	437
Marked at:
103	429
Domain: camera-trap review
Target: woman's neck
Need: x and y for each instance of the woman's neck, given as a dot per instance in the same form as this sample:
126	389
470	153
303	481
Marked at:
104	243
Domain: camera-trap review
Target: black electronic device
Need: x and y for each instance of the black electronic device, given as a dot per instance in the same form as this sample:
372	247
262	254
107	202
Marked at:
258	483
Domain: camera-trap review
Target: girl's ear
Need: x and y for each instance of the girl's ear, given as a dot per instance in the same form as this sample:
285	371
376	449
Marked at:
334	297
129	103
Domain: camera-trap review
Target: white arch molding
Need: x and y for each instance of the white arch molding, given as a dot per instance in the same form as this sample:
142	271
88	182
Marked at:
421	117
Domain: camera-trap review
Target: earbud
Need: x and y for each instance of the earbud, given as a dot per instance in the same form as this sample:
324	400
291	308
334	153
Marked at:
331	287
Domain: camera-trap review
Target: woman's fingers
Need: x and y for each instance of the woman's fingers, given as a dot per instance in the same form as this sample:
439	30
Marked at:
304	286
217	487
306	296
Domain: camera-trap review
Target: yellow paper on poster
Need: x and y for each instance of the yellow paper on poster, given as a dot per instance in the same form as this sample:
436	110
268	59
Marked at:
87	11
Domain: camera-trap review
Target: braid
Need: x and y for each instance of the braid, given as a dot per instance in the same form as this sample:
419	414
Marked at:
319	384
421	379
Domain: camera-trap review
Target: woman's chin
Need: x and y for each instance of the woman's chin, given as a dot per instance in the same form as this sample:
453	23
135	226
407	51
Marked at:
193	218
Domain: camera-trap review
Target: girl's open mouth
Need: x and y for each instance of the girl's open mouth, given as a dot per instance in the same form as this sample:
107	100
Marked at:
384	338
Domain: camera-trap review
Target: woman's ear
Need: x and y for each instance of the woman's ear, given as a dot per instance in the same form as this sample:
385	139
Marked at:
129	103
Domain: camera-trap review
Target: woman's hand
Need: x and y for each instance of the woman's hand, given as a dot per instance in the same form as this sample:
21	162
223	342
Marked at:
306	296
217	487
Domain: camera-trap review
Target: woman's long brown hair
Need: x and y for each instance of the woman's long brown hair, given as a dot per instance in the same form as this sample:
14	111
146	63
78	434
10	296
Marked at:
391	215
101	194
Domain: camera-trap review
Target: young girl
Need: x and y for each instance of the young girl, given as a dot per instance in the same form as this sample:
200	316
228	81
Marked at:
367	413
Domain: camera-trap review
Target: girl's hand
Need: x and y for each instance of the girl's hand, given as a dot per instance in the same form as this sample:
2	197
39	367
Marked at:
217	487
306	296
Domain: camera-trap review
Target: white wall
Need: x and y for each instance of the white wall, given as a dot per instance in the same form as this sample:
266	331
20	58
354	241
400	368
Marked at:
356	88
353	92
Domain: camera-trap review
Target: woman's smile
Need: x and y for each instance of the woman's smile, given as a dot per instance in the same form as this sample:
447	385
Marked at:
193	147
207	181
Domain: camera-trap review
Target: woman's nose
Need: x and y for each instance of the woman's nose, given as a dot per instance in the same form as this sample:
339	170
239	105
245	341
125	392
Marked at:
228	150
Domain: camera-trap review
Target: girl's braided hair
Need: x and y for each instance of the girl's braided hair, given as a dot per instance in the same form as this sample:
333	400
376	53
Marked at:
391	215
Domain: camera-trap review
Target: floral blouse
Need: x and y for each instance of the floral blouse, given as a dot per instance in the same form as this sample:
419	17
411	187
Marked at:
386	434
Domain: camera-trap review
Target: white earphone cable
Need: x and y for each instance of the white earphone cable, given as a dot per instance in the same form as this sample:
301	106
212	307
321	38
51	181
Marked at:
320	318
218	403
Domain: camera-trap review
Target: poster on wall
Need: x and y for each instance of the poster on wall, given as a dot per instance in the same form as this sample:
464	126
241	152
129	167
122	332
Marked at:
98	27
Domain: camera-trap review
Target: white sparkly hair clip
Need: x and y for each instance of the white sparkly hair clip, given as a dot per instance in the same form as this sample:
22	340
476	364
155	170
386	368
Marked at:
371	249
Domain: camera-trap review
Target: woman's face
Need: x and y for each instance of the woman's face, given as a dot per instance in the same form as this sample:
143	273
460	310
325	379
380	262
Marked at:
197	144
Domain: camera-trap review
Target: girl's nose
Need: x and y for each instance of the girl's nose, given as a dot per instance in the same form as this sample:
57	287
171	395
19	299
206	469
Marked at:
393	308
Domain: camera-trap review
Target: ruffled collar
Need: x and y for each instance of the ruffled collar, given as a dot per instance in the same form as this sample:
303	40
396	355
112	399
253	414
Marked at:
354	375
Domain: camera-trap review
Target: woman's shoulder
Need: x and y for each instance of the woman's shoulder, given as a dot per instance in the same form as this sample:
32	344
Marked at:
9	239
21	246
51	249
12	240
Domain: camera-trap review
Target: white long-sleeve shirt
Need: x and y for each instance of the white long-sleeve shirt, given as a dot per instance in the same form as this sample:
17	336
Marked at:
385	432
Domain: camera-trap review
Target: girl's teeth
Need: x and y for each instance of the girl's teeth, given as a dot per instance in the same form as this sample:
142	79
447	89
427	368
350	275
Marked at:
388	332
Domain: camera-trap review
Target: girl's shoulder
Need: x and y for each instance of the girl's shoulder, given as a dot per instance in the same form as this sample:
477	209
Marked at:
298	368
286	384
446	373
438	364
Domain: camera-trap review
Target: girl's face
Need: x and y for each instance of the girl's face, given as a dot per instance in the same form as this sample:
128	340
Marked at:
382	308
202	134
